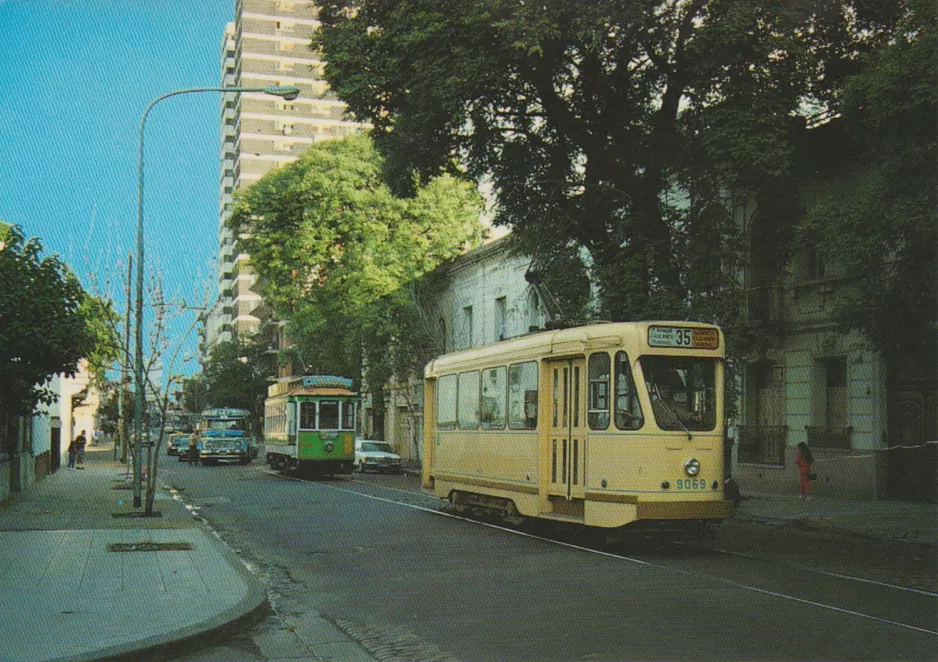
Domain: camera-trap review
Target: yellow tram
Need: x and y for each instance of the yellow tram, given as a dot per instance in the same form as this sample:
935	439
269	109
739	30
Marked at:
606	425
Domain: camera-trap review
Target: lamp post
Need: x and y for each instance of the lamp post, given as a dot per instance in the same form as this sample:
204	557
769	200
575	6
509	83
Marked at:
286	92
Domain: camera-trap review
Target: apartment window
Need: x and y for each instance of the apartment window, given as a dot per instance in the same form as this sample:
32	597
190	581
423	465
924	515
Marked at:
533	310
501	308
831	429
444	340
762	438
466	328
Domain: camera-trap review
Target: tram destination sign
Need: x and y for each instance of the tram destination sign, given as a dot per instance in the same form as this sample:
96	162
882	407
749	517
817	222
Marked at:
682	336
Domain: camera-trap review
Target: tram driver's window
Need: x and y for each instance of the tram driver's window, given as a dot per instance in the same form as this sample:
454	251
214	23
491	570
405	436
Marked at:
307	415
522	396
628	411
599	391
329	415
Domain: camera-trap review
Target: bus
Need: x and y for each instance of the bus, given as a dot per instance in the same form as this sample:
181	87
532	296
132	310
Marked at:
226	435
309	424
612	425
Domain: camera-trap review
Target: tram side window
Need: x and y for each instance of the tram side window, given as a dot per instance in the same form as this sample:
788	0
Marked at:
522	396
291	418
628	410
348	415
446	403
307	415
494	391
599	392
468	409
328	415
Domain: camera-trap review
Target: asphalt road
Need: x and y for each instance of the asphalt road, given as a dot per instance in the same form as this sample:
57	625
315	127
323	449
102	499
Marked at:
392	569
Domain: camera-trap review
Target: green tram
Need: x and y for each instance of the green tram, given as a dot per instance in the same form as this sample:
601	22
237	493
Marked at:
309	425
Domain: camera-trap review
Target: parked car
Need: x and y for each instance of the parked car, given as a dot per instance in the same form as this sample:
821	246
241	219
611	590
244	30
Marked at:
376	456
177	443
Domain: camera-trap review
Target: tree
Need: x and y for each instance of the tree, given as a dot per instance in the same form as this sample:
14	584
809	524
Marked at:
611	125
235	376
194	394
47	325
879	220
333	247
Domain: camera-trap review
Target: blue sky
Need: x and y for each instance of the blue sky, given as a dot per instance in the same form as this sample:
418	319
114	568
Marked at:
75	79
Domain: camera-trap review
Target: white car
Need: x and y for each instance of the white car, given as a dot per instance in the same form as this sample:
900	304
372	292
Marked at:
376	456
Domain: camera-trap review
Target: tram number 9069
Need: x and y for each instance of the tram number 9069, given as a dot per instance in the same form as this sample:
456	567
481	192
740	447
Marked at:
691	484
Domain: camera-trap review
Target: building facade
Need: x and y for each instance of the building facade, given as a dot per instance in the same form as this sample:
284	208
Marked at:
267	44
486	298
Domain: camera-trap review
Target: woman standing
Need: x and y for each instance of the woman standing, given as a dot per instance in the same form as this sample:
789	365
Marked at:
804	459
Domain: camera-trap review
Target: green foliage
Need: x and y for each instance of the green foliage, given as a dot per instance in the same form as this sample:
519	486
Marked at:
235	375
44	327
102	322
879	218
333	247
637	131
194	394
586	116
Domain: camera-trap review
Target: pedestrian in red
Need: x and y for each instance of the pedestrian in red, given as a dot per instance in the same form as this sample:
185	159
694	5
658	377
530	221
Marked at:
804	459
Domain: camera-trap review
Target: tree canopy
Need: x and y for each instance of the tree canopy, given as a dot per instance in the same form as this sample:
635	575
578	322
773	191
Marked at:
333	247
882	219
234	376
48	323
630	129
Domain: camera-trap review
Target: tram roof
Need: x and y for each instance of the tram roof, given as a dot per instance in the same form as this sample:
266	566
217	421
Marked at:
558	343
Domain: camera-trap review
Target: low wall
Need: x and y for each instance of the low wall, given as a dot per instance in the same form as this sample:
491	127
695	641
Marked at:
850	475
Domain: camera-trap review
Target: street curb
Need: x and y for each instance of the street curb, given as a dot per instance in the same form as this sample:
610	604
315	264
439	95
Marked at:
177	641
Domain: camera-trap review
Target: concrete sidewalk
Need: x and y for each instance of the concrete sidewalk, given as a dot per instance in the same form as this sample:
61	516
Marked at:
82	578
905	521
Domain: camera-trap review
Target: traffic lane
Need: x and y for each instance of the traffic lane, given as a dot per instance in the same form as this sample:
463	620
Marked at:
897	563
887	603
456	583
382	547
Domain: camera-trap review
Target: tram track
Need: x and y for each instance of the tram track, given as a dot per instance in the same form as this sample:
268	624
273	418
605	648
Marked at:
747	572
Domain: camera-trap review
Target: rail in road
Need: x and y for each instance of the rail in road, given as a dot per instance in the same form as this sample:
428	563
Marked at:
699	562
385	563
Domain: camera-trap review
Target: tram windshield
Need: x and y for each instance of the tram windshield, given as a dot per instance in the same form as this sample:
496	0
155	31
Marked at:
682	391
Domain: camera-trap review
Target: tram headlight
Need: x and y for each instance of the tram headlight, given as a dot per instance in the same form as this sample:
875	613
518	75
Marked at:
692	467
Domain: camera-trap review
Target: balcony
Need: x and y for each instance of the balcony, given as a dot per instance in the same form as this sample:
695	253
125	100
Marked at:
837	438
762	444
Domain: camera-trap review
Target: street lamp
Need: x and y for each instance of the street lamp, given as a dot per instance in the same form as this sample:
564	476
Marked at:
286	92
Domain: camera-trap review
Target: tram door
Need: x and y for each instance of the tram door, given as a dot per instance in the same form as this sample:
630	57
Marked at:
567	435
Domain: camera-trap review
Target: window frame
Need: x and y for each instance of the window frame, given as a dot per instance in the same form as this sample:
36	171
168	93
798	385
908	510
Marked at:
513	404
591	392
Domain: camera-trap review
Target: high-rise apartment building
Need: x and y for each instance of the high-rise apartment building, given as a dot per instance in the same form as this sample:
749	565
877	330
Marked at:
268	44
